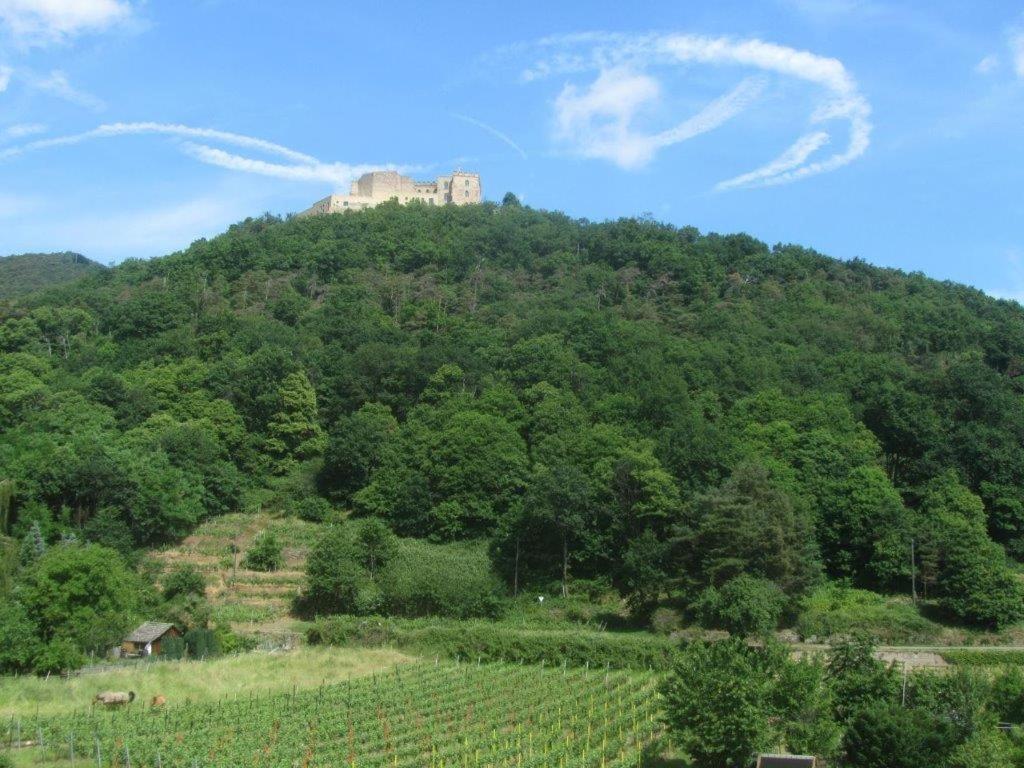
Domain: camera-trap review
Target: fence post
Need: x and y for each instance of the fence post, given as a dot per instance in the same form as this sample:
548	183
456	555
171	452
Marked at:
99	754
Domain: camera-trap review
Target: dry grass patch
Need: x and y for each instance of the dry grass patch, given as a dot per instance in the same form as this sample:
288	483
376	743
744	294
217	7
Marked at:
179	681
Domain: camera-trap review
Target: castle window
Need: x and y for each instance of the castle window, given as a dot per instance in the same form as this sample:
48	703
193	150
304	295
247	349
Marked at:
467	193
345	203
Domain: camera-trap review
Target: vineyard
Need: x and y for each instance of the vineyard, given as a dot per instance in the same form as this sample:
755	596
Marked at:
428	715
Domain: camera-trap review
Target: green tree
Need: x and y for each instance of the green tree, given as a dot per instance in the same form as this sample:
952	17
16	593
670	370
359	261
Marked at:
727	701
858	680
356	449
81	593
745	605
294	432
376	542
19	639
182	581
334	574
751	525
884	735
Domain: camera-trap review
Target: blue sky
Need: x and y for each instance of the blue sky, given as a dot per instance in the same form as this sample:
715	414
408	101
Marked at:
890	131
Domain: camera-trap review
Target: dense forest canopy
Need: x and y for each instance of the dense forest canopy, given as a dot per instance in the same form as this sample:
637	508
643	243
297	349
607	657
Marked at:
28	272
623	402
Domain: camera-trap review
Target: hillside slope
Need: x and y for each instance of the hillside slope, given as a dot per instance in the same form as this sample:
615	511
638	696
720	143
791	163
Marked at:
621	404
28	272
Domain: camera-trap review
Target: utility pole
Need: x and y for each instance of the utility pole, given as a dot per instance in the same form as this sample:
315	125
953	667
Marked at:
913	573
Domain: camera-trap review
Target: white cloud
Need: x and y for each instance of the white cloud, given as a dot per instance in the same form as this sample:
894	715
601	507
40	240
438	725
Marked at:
598	122
57	84
111	130
5	77
302	167
601	116
493	131
339	175
21	131
1017	50
39	22
987	65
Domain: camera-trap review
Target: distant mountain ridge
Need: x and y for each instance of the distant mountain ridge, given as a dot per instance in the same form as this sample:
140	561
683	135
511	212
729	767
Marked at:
29	272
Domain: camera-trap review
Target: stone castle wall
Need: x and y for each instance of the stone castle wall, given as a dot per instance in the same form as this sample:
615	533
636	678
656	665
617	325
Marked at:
371	189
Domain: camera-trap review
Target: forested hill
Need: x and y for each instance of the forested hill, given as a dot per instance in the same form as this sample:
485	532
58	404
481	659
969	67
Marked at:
621	401
29	272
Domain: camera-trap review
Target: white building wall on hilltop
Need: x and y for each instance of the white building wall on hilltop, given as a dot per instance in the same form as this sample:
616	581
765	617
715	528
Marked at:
371	189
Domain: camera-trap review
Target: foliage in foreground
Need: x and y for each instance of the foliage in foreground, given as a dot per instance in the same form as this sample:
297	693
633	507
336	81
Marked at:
725	702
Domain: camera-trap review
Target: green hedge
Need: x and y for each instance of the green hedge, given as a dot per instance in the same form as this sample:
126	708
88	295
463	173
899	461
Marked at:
497	642
982	658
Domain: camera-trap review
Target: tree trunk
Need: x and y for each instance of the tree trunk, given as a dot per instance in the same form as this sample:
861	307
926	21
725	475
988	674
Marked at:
565	563
515	572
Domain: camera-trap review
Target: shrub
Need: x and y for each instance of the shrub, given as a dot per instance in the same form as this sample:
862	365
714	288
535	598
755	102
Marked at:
377	544
665	621
979	587
201	643
489	641
744	605
886	735
996	657
725	701
264	554
58	656
315	509
835	611
334	575
184	580
19	643
433	580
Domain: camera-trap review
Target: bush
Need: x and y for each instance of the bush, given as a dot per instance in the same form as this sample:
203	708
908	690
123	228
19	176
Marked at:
184	580
744	605
725	701
433	580
997	657
979	587
665	621
315	509
334	575
194	644
835	611
886	735
58	656
377	544
19	642
201	643
264	554
488	641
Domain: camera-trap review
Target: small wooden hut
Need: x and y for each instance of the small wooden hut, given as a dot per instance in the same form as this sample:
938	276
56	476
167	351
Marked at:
146	640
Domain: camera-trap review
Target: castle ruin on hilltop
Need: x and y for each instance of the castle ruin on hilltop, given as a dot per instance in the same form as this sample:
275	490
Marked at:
371	189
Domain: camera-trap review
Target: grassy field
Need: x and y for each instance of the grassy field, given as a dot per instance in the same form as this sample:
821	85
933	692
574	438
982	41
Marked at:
196	681
422	715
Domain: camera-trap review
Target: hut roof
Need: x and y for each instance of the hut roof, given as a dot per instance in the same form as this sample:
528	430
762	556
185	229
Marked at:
786	761
149	632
